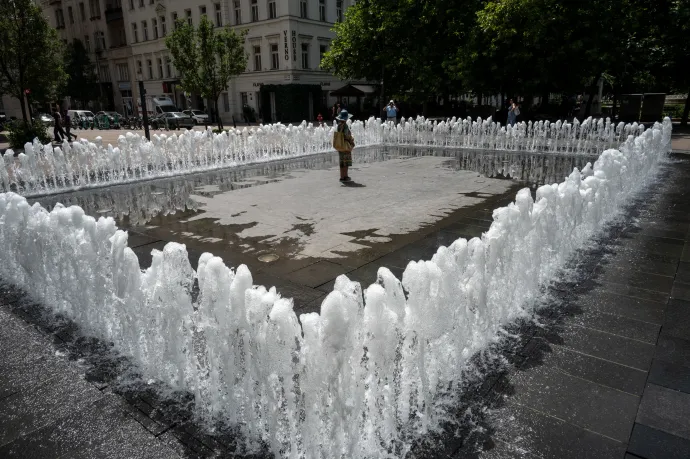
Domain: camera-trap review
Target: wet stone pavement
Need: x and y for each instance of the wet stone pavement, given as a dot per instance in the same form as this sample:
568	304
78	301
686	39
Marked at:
603	370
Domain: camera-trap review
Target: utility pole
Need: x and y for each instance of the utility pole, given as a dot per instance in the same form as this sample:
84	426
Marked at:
145	115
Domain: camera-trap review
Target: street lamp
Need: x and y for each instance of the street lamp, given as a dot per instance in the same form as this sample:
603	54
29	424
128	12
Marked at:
142	95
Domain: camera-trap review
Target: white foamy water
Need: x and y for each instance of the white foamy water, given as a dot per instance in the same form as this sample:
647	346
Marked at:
367	375
42	169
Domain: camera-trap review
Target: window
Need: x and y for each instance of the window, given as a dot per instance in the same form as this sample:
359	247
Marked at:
226	102
82	11
339	10
135	34
174	20
131	4
188	15
100	41
238	12
275	58
322	10
104	73
164	32
59	19
303	9
95	8
151	2
145	30
305	56
160	68
140	69
168	72
257	58
202	11
219	15
272	13
87	43
122	36
149	64
245	98
141	3
322	51
122	72
255	10
154	28
70	14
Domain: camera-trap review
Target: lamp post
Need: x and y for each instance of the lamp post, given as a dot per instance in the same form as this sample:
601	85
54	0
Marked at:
145	115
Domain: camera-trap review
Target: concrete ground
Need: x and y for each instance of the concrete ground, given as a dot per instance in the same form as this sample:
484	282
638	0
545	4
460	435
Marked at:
604	374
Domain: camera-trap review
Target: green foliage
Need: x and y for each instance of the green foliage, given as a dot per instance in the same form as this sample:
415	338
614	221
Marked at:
674	111
21	132
81	84
207	57
404	43
30	52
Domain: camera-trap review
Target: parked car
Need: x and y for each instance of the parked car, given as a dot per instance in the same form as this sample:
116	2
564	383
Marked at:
45	119
114	117
172	120
198	116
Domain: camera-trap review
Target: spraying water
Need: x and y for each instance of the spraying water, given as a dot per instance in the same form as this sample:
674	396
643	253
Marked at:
366	376
42	169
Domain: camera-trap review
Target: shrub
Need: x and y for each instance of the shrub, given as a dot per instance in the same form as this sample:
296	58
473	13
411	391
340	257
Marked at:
673	111
21	132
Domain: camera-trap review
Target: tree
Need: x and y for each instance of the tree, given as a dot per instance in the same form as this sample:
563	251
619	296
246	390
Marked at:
30	52
402	43
82	84
207	58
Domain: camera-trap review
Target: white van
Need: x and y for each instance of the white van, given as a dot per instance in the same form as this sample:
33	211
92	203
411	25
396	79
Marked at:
80	115
163	104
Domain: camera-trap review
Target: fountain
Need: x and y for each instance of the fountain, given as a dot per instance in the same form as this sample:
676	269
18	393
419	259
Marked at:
43	170
376	368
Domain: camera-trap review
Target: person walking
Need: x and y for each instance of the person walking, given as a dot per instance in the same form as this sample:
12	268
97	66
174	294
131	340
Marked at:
513	112
68	125
391	111
56	125
344	143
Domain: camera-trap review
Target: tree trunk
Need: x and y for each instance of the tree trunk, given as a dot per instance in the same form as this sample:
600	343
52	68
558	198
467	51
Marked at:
686	111
592	90
383	98
220	120
21	102
614	109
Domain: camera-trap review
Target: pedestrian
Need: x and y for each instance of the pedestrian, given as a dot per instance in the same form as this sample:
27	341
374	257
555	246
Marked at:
391	111
56	125
513	112
344	143
320	119
334	111
68	125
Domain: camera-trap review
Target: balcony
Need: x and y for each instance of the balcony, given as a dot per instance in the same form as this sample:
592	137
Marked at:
113	14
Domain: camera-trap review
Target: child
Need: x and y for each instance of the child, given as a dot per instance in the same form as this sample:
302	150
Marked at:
344	143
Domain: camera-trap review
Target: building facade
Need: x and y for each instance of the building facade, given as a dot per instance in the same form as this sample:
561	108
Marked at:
285	42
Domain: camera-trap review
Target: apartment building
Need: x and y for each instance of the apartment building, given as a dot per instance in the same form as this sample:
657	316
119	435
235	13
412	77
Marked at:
285	42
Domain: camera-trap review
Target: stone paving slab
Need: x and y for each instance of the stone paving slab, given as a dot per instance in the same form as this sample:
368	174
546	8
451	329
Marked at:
617	361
